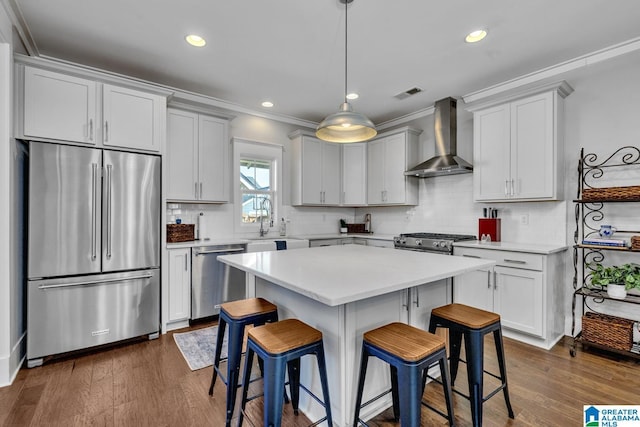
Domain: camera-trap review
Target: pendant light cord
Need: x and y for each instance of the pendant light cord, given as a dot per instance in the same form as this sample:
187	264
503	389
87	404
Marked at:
346	15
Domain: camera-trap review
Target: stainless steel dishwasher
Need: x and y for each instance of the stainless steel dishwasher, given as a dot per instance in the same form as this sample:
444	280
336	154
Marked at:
213	282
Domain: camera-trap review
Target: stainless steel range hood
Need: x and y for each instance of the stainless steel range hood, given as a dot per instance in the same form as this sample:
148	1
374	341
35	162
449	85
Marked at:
445	162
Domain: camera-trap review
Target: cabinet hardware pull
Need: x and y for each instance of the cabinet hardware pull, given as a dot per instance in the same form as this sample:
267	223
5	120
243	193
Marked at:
186	268
515	261
201	191
417	301
406	294
495	280
488	279
513	190
471	256
506	187
195	190
90	129
106	131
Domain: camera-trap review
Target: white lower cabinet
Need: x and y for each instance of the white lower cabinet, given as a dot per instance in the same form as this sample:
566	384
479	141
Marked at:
523	288
179	288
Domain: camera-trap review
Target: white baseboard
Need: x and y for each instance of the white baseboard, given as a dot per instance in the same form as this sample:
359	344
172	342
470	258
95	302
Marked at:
10	365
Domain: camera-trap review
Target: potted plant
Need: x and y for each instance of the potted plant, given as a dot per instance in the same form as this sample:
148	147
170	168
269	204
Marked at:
343	226
617	280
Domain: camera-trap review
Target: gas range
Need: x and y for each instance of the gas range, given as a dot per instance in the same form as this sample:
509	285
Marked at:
430	242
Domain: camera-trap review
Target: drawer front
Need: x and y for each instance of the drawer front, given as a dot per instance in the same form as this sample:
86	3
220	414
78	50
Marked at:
524	260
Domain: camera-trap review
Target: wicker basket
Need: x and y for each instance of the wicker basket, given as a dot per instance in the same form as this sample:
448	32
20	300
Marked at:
635	243
355	228
608	331
612	193
180	232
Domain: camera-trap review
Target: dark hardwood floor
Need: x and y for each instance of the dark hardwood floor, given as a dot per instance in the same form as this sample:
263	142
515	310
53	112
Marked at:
149	384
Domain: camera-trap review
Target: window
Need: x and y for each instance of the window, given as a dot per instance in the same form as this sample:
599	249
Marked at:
257	185
256	190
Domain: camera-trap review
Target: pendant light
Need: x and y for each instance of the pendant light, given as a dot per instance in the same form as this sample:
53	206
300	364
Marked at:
346	125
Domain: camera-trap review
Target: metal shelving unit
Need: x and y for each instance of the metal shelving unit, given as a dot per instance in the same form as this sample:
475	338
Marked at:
589	215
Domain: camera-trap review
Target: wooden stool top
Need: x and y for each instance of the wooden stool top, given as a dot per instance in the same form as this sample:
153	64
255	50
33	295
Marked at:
406	342
247	307
280	337
465	315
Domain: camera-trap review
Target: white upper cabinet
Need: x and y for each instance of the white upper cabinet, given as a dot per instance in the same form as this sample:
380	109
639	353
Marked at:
315	171
131	118
388	157
518	147
197	157
354	174
61	107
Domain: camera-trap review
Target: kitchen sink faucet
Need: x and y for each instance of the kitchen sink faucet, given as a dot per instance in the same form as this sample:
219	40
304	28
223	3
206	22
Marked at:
269	212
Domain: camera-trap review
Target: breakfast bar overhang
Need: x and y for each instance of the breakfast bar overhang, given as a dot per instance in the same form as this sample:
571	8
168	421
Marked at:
345	291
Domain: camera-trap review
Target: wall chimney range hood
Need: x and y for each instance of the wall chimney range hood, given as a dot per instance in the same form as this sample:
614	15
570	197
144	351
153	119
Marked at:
445	162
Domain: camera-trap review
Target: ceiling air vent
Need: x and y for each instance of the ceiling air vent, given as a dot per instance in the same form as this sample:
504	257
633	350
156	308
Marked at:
408	93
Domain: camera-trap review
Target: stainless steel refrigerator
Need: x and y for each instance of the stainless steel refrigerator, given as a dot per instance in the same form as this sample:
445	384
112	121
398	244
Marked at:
94	248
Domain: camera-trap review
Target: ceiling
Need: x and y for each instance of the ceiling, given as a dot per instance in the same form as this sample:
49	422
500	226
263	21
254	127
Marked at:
291	52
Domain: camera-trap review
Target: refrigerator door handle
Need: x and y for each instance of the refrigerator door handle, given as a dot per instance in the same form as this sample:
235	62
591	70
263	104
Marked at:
95	282
94	207
109	167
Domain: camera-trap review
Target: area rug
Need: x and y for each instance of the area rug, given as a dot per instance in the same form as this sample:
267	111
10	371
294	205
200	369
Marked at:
198	347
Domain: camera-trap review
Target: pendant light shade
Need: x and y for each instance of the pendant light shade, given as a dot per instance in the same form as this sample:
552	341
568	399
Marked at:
346	125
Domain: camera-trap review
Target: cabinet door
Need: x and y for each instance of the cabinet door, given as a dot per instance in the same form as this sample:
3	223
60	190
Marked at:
179	284
491	154
59	107
424	298
394	167
354	174
533	156
182	155
475	289
375	172
131	118
330	173
518	298
213	161
311	170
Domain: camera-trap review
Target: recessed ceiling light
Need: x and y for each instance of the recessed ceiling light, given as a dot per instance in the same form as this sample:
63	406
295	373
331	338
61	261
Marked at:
352	96
267	104
475	36
195	40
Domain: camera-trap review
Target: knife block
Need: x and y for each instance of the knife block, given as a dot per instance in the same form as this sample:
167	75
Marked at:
490	226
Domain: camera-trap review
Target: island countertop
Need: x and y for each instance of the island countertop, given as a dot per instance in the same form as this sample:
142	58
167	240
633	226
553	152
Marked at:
335	275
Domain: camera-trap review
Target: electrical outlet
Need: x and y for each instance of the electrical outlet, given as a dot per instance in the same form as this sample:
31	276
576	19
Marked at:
524	219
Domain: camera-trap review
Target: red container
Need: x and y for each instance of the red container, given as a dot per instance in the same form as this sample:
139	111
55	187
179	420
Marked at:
490	226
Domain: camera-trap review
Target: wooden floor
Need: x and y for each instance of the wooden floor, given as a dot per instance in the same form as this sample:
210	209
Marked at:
149	384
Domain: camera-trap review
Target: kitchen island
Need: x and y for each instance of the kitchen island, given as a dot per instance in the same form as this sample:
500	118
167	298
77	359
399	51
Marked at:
345	291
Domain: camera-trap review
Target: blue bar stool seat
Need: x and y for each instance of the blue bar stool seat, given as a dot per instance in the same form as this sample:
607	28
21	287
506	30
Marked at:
280	346
473	324
237	314
410	352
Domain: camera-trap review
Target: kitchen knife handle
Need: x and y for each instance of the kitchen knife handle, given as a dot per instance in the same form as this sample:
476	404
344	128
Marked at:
109	167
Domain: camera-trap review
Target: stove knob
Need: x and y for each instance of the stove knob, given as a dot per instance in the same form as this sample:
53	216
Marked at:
418	242
435	244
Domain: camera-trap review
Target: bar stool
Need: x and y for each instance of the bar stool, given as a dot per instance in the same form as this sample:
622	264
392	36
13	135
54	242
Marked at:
409	352
280	345
238	314
473	324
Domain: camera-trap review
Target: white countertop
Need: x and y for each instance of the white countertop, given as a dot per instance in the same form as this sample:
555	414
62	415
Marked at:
371	236
335	275
534	248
